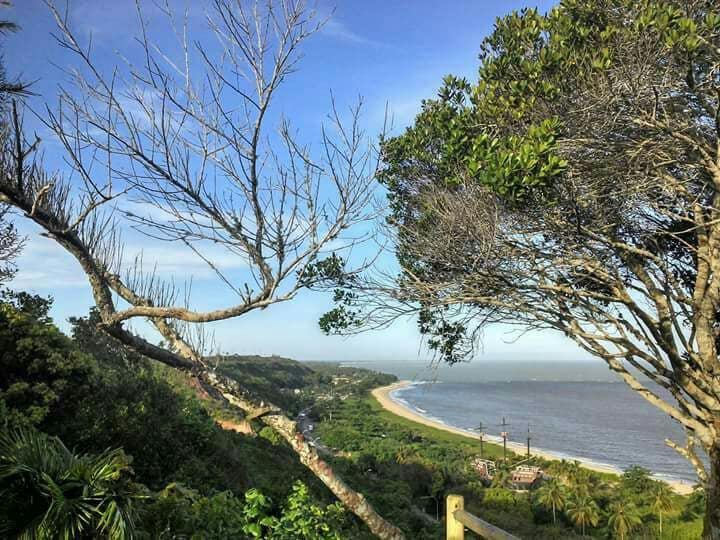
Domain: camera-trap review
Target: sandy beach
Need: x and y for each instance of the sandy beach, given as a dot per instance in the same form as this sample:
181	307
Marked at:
382	395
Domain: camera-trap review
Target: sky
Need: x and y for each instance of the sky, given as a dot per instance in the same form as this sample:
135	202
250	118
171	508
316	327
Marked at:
392	53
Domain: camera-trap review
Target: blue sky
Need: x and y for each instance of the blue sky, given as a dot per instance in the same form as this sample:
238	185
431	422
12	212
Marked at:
392	53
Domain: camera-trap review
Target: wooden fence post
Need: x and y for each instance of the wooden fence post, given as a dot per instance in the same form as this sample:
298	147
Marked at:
454	529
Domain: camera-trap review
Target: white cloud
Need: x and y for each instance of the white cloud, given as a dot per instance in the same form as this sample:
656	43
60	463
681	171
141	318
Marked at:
336	29
179	261
44	265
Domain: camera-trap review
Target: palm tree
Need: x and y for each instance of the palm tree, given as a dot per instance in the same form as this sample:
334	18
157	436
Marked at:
501	478
661	501
553	495
581	481
49	492
572	469
583	511
623	517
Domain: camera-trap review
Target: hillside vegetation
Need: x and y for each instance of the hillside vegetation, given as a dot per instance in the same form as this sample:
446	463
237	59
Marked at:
171	470
407	470
176	469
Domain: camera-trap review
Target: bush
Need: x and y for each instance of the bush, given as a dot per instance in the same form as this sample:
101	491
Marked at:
180	511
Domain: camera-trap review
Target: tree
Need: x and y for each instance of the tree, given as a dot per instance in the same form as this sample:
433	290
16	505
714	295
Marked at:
10	244
552	495
43	376
183	512
623	518
583	511
661	501
502	478
180	151
574	187
10	241
637	480
48	492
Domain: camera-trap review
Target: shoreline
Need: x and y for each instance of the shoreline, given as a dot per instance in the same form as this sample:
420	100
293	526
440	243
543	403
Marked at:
383	397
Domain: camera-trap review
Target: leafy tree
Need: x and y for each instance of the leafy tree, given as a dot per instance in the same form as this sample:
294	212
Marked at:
637	480
502	478
277	216
581	482
573	186
661	501
302	518
499	497
552	495
583	512
180	511
623	518
48	492
695	504
104	349
11	242
44	376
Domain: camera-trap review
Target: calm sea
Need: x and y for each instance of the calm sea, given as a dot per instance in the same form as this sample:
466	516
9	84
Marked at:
573	410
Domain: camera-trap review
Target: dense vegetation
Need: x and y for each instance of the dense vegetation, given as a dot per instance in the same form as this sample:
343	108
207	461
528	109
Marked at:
92	404
77	412
407	469
294	385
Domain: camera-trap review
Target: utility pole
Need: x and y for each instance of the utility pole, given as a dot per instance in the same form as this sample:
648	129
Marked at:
528	441
481	433
504	434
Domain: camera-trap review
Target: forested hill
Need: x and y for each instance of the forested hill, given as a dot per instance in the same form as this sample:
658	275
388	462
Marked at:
175	472
292	384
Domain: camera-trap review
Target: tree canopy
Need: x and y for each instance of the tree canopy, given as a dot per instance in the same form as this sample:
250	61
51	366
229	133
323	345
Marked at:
574	186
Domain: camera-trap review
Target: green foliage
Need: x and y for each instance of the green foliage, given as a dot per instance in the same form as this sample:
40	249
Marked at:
179	511
623	518
275	378
553	495
331	269
182	512
49	492
544	111
270	435
661	501
695	505
300	518
637	481
105	396
44	376
162	419
583	511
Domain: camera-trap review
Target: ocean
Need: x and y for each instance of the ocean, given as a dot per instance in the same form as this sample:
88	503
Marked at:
573	410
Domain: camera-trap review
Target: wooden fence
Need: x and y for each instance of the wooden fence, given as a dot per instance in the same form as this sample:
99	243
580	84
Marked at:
458	519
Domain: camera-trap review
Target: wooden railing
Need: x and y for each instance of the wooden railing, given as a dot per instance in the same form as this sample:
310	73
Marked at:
457	519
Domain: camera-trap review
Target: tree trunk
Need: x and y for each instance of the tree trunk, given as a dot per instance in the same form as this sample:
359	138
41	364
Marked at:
711	526
554	519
